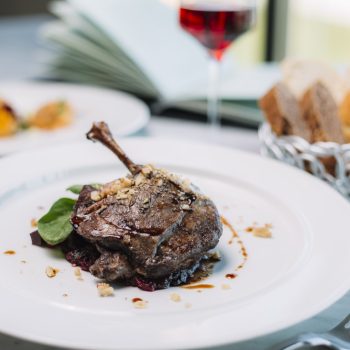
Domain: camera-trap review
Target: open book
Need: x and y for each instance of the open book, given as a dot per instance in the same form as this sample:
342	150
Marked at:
139	47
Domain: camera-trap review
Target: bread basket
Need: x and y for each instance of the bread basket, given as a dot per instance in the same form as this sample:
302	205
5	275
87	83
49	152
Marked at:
297	152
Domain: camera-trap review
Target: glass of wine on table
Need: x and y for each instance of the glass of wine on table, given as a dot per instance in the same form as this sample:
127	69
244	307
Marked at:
216	24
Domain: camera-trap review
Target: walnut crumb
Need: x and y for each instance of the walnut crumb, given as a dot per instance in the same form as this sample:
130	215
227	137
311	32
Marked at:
225	286
65	295
33	223
260	231
95	196
175	297
77	273
140	304
105	290
51	271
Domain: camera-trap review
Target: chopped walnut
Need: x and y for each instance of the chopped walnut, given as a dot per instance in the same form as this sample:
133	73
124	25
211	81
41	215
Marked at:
77	273
185	207
140	304
95	196
33	223
105	290
175	297
51	271
225	286
260	231
147	170
139	179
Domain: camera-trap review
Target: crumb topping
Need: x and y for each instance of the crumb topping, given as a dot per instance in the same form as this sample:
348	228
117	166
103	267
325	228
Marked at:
105	290
123	187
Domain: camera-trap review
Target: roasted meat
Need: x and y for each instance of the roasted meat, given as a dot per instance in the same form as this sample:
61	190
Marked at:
149	227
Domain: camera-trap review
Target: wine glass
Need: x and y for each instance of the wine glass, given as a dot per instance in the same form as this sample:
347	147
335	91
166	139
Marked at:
216	24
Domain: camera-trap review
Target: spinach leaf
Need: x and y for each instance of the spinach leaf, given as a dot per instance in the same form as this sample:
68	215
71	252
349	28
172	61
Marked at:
77	188
54	227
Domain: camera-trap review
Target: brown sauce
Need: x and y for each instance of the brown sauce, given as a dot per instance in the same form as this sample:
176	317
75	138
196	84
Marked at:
10	252
198	286
237	238
230	276
135	300
230	227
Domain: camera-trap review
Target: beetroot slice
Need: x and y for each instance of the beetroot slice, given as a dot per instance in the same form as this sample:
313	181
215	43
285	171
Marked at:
38	241
79	252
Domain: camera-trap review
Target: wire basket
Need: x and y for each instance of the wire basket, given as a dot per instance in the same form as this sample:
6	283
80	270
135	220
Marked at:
328	161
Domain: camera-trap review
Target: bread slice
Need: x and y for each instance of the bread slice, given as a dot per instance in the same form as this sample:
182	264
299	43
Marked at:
344	112
300	74
282	111
320	112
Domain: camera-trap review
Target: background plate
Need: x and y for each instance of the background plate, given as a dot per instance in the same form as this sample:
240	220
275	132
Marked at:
124	113
300	271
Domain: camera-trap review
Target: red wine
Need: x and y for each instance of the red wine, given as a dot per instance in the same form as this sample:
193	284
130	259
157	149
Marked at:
216	28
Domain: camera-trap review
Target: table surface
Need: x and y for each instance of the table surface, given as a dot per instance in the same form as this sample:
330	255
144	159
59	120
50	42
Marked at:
19	60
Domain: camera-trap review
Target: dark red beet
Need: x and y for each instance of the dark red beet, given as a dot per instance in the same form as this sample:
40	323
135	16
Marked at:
38	241
147	286
79	252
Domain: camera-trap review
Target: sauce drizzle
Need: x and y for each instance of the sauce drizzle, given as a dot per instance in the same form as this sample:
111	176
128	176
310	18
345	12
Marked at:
230	276
198	286
9	252
235	236
135	300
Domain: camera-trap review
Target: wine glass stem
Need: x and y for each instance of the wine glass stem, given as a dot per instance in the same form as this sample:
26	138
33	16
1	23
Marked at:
213	93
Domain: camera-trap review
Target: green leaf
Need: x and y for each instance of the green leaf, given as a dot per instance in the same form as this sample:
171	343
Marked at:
54	227
75	188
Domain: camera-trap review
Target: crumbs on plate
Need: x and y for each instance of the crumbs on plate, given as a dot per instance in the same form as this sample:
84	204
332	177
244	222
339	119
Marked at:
33	223
51	272
260	231
105	290
139	303
175	297
77	273
225	286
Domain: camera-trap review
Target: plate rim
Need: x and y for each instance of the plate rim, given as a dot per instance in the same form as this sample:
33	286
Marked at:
338	292
137	126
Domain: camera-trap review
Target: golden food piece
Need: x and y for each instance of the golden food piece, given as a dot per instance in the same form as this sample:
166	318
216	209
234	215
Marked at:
53	115
8	120
344	112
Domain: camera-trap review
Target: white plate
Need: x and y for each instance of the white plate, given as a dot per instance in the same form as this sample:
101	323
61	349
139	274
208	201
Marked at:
300	271
124	113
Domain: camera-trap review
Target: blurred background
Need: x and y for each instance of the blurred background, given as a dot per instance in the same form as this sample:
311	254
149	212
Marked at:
316	29
307	28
